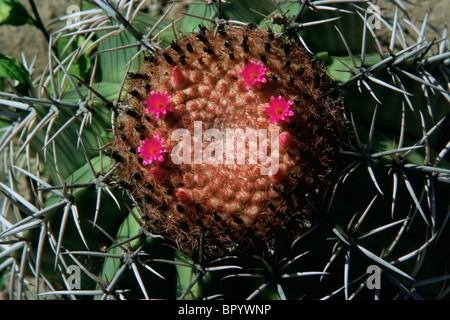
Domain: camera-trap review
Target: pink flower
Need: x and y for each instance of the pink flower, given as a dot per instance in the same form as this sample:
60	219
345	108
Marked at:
253	73
279	109
159	104
151	150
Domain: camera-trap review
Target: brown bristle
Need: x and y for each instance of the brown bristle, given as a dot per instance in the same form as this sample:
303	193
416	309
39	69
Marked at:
231	207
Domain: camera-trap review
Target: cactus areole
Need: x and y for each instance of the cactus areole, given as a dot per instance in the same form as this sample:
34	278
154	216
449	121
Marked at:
228	139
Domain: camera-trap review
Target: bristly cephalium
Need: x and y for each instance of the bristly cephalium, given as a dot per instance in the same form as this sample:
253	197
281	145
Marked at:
238	78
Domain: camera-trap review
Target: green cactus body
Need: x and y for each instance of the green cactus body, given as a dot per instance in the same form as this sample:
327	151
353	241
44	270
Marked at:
362	178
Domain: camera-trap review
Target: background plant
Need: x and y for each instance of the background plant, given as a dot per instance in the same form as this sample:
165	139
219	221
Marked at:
389	207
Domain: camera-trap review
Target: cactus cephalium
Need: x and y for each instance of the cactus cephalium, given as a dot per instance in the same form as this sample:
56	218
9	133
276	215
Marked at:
360	179
229	199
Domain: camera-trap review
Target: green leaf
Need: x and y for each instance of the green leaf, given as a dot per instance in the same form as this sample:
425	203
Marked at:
240	10
13	13
144	22
389	115
185	277
127	229
109	217
190	23
231	10
82	65
70	155
324	37
337	66
11	68
113	64
155	248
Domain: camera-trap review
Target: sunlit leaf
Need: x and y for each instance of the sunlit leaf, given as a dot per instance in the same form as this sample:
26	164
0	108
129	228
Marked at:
12	12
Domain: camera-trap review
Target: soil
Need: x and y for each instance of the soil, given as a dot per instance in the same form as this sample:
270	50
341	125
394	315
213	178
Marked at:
416	10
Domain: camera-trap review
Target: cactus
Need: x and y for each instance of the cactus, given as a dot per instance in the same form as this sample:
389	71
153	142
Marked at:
359	182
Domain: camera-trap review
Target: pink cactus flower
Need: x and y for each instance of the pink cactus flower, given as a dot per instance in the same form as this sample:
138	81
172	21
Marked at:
253	74
152	150
159	104
279	110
